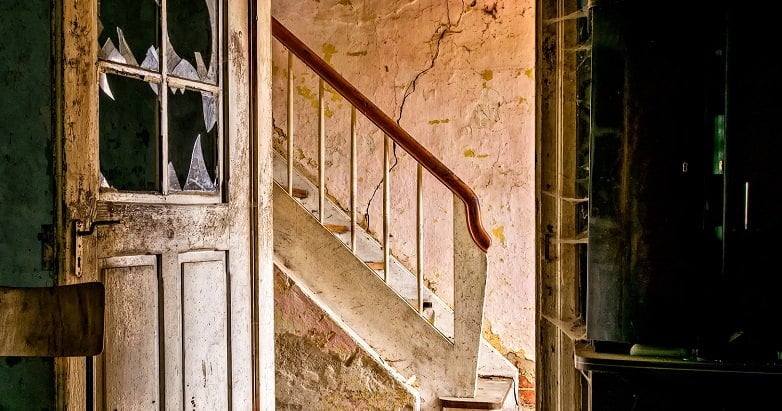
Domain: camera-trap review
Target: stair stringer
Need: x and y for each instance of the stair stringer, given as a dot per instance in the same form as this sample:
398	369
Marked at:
359	298
337	321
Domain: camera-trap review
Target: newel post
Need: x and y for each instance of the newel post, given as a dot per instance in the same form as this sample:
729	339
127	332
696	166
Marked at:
470	271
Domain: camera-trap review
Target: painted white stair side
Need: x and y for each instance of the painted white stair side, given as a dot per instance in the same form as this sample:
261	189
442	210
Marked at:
379	313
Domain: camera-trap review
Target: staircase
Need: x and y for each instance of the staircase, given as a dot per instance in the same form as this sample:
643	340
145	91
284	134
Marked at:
354	276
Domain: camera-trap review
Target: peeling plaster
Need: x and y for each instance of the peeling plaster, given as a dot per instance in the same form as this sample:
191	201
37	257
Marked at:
487	75
470	153
328	51
495	340
499	232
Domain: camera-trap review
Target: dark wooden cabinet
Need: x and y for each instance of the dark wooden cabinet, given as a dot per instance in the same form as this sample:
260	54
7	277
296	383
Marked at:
685	178
752	277
655	99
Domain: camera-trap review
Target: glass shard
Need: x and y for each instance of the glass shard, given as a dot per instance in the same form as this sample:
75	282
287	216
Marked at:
173	180
197	176
211	75
109	52
188	122
152	63
151	60
124	50
173	57
104	85
209	102
200	66
211	5
185	70
103	182
132	26
178	66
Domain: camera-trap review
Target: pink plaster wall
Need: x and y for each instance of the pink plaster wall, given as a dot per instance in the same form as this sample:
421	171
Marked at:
459	76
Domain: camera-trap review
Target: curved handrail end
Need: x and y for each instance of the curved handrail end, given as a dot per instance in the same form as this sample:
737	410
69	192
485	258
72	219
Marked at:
474	224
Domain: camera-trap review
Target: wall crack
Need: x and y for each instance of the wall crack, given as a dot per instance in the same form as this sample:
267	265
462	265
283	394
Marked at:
442	30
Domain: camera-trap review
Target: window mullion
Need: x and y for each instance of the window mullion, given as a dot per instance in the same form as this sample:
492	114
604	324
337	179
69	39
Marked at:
217	39
111	67
164	96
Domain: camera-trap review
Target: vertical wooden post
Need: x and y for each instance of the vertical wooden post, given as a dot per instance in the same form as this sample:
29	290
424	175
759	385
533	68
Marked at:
470	267
289	114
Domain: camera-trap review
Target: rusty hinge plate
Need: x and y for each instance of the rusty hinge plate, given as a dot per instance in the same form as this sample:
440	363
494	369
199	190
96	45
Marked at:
46	236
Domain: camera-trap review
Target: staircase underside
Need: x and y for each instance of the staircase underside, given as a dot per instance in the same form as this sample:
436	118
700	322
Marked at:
321	364
379	313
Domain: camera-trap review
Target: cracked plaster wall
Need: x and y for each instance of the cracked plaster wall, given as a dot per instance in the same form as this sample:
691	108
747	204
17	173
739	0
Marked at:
459	76
319	366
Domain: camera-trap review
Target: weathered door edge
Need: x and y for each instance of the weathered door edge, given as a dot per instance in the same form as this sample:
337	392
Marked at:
74	27
262	230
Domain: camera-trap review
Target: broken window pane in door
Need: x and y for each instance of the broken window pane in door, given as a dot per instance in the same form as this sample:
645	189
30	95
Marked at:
192	39
127	30
185	39
128	132
192	139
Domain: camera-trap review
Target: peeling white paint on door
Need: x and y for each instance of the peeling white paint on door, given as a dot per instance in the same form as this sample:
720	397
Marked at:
178	266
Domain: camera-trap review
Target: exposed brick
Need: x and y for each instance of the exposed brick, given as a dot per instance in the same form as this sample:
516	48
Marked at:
524	382
527	396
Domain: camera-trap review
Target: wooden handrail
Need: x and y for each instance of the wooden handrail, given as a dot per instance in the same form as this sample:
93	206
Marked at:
390	128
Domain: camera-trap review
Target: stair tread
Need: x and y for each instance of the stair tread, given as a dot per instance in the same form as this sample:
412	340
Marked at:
490	394
297	192
375	265
337	228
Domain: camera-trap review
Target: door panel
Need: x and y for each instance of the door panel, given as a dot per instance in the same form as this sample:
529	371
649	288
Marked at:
204	324
129	366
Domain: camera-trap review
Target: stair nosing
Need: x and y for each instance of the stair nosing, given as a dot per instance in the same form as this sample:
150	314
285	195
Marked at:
475	402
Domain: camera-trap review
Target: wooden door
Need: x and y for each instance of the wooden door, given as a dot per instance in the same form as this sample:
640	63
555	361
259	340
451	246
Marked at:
156	159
